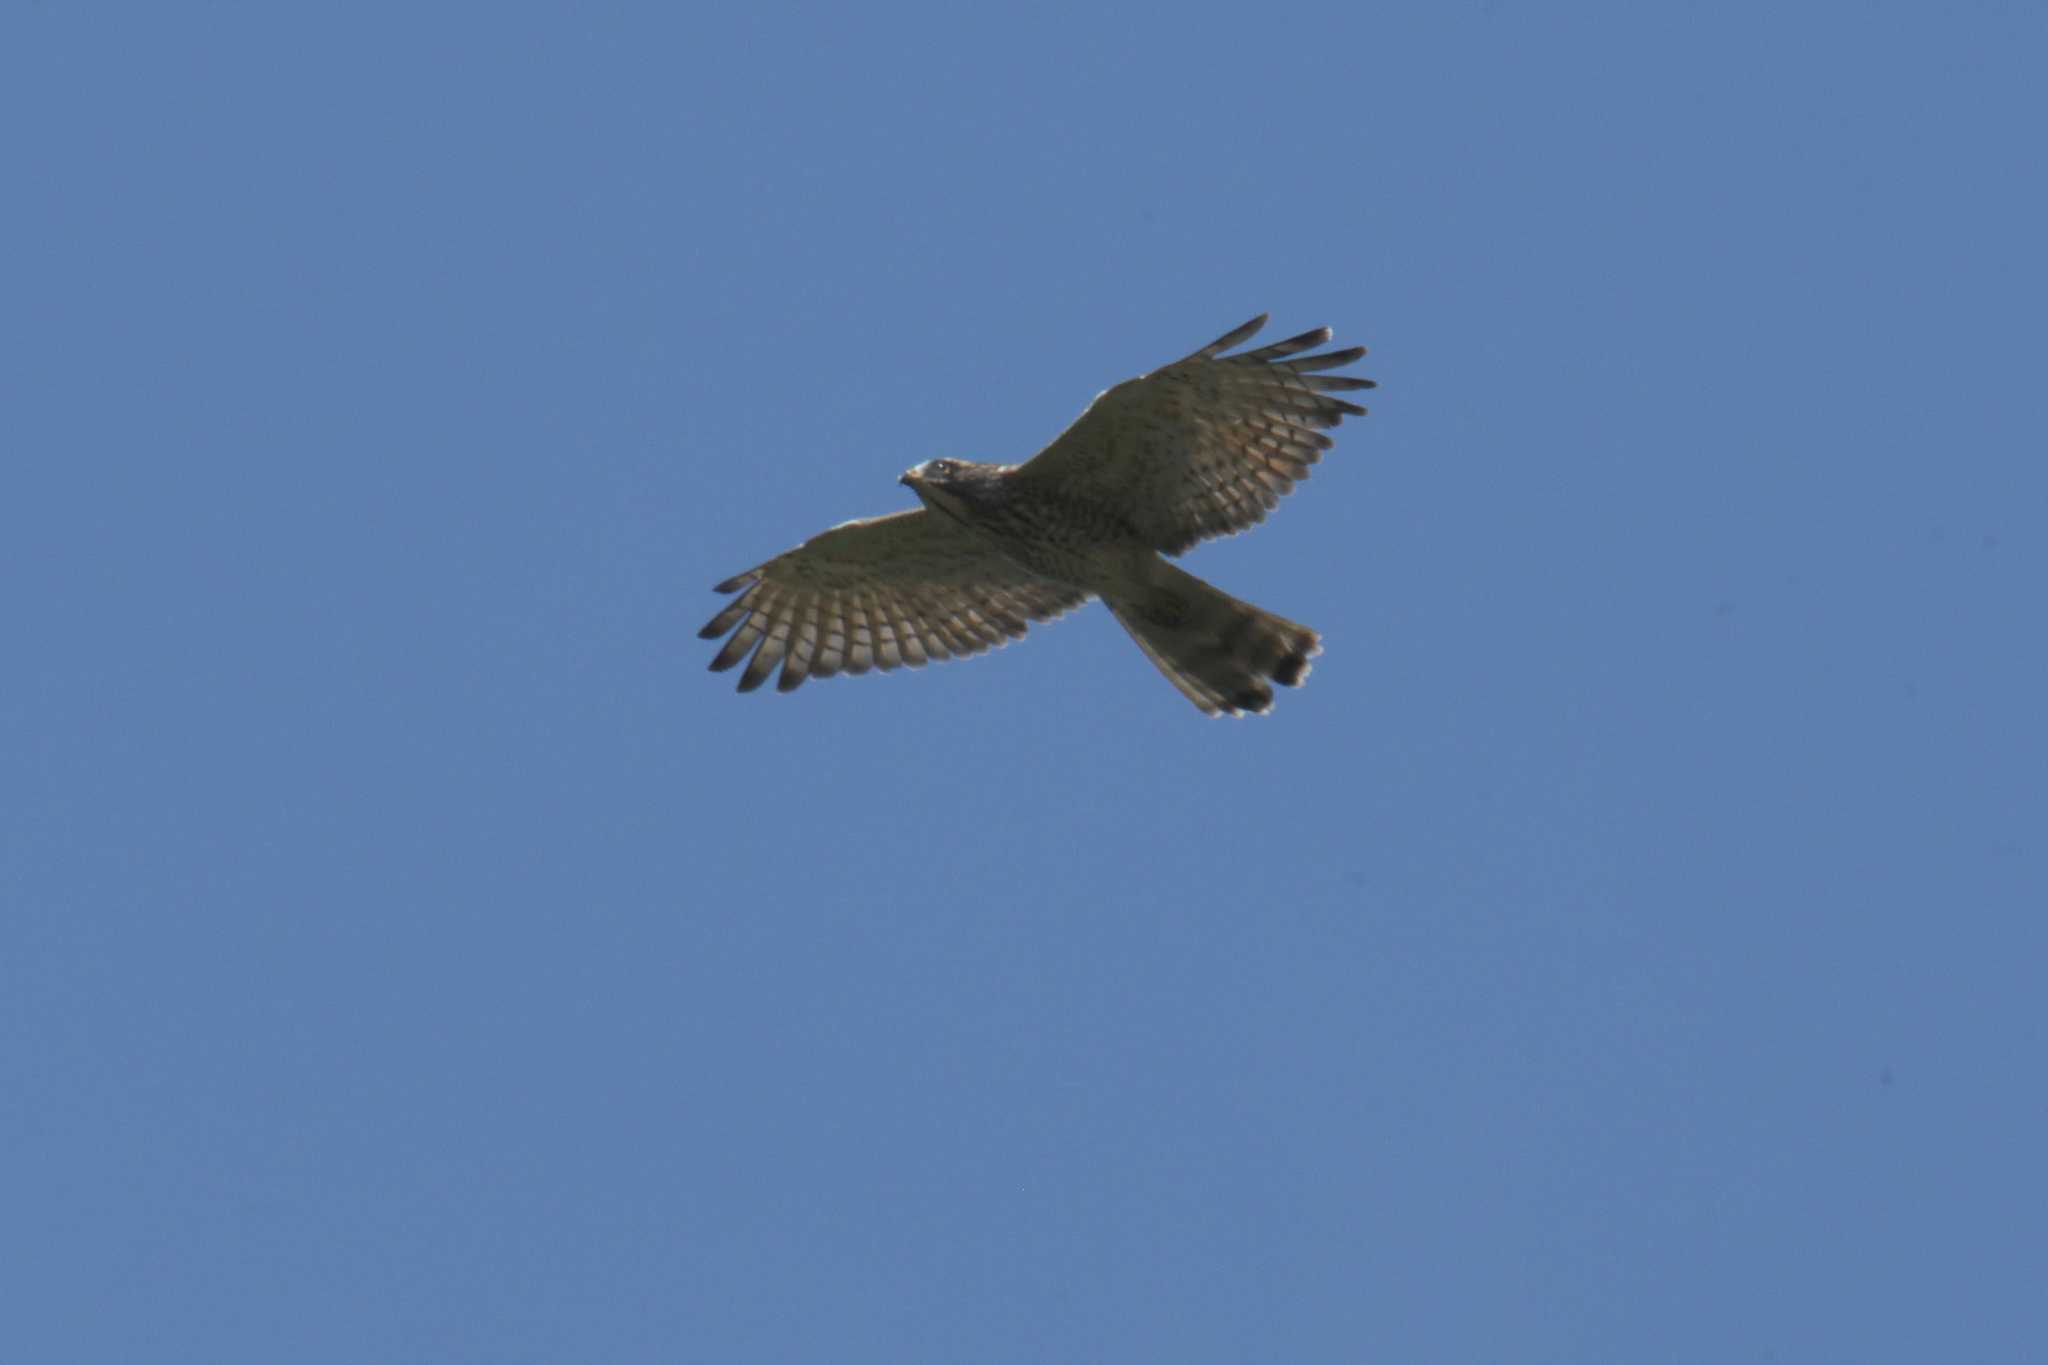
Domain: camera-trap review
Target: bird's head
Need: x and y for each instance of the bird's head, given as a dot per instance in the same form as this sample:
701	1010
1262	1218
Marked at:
959	488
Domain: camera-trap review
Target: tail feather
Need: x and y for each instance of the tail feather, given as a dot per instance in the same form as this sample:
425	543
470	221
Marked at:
1218	651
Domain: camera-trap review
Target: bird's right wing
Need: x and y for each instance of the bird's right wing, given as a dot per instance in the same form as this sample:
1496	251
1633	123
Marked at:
1208	445
877	593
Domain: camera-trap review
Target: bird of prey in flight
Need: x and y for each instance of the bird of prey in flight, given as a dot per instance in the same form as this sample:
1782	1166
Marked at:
1203	447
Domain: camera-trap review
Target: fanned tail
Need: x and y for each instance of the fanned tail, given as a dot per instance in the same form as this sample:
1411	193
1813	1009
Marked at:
1221	653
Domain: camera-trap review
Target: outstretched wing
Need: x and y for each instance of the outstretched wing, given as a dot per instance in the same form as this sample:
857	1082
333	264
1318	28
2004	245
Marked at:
1207	445
890	590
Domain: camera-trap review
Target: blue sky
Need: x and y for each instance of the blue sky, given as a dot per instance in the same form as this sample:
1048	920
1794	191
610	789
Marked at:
1628	945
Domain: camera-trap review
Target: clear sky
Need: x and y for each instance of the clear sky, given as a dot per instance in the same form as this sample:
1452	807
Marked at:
1628	946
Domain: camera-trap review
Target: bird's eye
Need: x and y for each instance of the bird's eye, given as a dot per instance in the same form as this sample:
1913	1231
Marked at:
942	468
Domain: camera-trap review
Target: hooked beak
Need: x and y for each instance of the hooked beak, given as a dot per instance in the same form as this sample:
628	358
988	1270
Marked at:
909	478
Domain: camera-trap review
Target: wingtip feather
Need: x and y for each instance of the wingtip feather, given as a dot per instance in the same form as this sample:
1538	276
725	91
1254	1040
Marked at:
1243	332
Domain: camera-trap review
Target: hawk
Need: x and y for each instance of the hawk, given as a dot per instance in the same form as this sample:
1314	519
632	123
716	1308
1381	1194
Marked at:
1203	447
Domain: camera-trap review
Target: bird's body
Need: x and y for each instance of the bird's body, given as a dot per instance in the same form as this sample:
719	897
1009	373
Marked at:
1202	447
1046	531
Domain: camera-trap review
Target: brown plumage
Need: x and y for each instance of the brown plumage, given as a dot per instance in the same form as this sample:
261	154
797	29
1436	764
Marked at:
1203	447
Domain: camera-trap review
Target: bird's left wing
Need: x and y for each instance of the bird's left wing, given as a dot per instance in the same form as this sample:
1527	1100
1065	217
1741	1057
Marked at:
891	590
1207	445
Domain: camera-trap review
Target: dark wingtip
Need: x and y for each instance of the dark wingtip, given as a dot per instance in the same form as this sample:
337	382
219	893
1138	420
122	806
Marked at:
1301	341
1243	332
